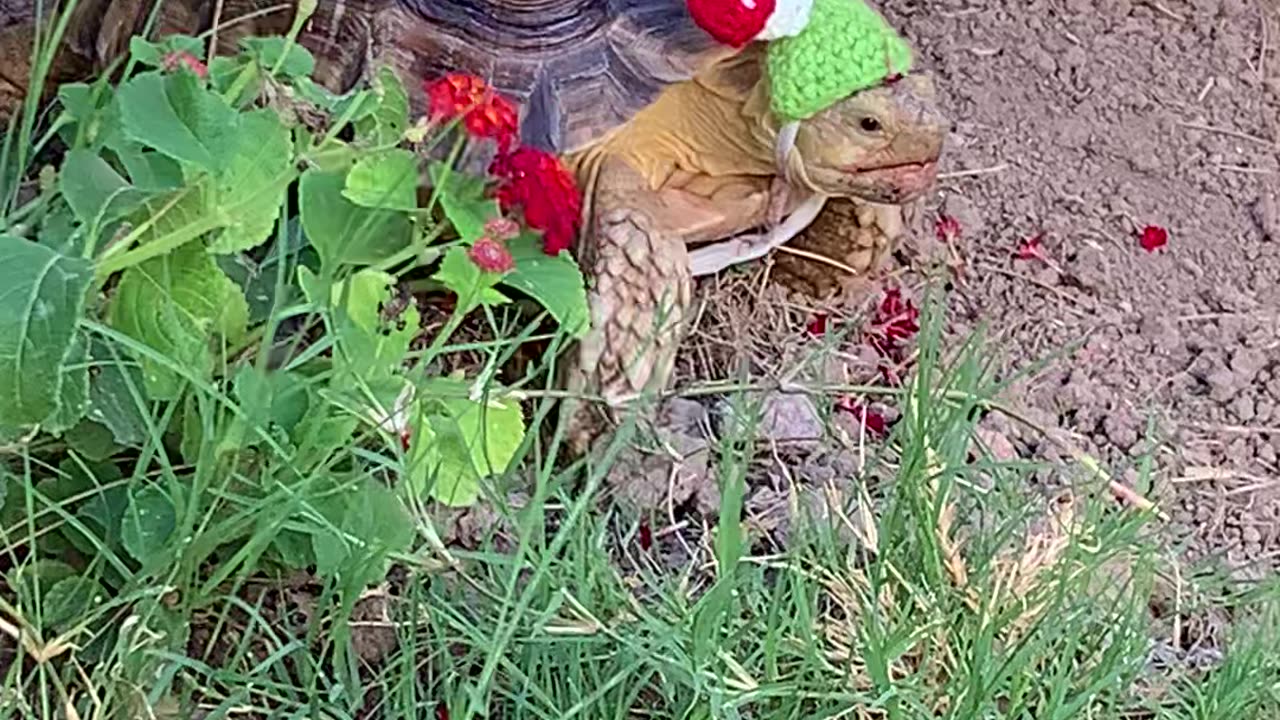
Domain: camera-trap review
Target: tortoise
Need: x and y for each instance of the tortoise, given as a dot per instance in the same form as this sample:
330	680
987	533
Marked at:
669	113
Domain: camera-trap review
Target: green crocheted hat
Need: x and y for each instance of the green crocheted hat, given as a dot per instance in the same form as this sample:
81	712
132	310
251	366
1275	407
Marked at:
846	47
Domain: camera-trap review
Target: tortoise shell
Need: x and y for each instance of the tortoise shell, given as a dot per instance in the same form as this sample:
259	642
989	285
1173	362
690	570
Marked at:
577	68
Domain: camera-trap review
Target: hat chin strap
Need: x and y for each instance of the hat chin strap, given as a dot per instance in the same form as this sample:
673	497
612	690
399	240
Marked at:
785	143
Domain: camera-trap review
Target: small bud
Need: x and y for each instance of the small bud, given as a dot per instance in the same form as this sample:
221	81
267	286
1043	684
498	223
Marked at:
501	228
491	256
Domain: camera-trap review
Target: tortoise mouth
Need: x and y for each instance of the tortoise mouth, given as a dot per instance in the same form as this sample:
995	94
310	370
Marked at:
896	183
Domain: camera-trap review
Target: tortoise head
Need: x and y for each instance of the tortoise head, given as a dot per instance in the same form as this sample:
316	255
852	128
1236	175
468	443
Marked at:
881	144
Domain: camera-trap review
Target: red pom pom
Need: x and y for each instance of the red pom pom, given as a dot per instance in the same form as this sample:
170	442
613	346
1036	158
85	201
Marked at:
732	22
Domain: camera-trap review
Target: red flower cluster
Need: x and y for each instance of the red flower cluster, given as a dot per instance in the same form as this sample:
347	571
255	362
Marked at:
539	184
484	113
528	178
181	58
1153	237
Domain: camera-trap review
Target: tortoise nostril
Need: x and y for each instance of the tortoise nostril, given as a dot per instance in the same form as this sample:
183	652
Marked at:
869	124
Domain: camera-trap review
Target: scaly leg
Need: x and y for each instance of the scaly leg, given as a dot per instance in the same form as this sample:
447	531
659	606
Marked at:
639	295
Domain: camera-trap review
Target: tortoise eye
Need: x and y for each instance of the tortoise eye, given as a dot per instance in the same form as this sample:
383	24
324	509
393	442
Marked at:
870	124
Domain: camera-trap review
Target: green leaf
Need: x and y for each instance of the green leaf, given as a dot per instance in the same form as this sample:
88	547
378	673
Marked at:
462	198
390	120
174	304
555	282
257	279
298	61
377	523
224	69
472	441
77	101
251	190
148	522
278	398
388	179
178	117
92	440
91	187
69	600
73	394
148	169
370	341
343	232
111	402
32	581
42	297
151	54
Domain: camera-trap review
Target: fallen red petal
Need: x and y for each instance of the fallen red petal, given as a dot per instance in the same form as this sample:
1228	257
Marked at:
1030	249
873	421
1153	237
646	536
817	327
947	228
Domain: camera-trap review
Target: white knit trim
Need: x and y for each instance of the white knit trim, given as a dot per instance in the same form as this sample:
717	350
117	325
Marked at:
789	18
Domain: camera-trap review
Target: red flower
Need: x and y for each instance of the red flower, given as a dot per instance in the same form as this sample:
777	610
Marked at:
1153	237
817	327
1030	249
484	113
947	228
537	182
873	421
491	256
179	57
442	712
646	536
501	228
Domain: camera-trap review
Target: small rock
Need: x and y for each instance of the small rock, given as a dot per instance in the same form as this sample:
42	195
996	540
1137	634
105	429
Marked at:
1246	363
1242	408
999	444
682	415
1251	534
1222	384
786	418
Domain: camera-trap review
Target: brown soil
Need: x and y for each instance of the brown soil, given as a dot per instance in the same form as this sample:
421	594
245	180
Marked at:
1085	121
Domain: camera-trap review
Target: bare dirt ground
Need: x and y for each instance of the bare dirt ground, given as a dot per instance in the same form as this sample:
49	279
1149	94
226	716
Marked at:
1077	124
1082	122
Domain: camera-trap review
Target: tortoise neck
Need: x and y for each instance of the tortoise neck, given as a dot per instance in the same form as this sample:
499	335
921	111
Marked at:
518	19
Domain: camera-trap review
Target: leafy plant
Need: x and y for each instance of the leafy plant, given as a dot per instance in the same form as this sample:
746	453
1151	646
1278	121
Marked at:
210	302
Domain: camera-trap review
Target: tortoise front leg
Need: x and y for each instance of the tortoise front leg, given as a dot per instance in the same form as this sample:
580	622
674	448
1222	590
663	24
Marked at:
640	291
